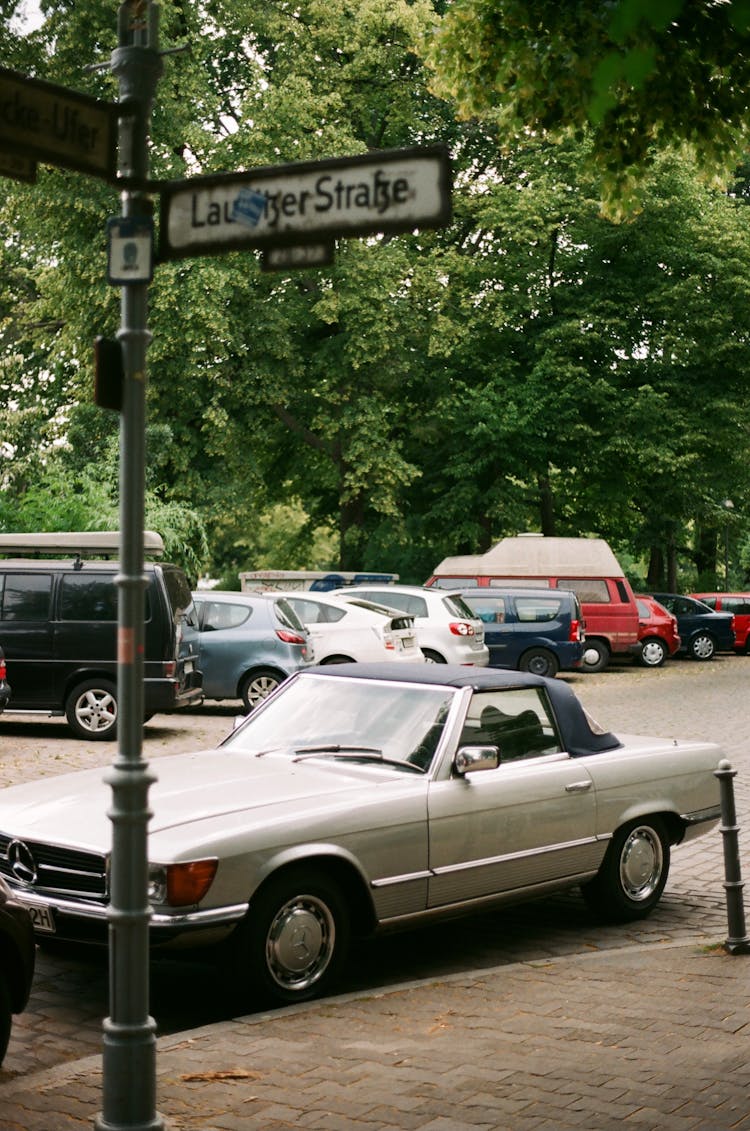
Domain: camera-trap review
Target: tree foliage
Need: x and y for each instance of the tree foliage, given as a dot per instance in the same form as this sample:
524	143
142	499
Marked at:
638	75
531	367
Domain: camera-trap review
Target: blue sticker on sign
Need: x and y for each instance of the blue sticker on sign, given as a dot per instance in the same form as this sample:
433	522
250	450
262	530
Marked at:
249	206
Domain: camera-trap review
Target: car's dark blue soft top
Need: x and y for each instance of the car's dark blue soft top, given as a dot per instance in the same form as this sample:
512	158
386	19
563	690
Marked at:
575	731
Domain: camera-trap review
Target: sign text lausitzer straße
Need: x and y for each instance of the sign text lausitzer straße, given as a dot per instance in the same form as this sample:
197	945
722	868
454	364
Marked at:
48	123
391	191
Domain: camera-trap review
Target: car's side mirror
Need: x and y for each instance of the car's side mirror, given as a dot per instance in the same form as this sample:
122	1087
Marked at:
469	759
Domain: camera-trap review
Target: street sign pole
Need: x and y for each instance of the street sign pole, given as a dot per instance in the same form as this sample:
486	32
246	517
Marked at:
129	1040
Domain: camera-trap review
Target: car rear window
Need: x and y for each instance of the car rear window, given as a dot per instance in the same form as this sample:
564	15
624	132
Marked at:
178	591
457	607
286	614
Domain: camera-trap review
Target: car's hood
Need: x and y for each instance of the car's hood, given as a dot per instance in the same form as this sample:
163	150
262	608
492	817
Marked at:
73	809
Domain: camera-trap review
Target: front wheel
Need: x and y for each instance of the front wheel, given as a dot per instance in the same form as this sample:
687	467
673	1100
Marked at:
256	686
595	656
539	661
653	652
293	944
91	709
633	873
702	646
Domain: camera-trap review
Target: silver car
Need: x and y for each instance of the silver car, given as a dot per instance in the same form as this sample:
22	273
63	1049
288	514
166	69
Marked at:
364	797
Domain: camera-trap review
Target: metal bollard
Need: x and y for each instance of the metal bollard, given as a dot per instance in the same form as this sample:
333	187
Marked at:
737	941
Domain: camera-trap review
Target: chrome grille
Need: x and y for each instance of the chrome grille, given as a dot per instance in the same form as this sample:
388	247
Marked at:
59	871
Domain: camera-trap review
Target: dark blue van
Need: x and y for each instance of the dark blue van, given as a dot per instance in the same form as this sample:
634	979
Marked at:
532	630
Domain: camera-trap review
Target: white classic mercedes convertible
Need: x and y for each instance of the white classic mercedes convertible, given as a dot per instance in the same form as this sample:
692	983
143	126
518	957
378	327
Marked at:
359	798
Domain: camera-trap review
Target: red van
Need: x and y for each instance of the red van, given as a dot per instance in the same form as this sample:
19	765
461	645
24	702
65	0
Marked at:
737	603
587	566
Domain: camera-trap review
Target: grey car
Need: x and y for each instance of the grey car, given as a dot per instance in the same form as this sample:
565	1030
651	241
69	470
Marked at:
248	644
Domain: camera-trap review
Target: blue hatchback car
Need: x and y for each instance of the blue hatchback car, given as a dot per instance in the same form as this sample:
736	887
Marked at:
248	644
533	630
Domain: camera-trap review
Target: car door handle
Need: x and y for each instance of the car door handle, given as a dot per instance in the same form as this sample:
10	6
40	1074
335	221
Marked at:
578	786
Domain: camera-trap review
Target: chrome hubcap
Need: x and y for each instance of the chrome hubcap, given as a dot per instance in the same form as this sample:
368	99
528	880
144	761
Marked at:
641	864
300	942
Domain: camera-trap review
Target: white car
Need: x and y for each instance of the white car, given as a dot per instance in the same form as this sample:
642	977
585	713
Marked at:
354	631
449	632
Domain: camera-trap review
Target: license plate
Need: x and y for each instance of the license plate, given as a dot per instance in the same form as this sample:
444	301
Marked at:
189	666
42	919
408	643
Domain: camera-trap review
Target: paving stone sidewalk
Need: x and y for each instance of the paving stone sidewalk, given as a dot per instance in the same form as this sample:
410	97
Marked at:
644	1038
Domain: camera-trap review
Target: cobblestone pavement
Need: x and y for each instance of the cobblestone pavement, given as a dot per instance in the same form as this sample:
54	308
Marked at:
69	1000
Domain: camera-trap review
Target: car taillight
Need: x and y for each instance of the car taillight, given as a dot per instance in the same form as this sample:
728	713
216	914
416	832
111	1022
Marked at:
461	628
3	670
576	631
170	669
290	637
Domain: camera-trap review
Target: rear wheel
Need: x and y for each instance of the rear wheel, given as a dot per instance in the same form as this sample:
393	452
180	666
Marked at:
337	660
653	652
433	657
256	686
595	656
539	661
91	709
702	646
293	943
633	873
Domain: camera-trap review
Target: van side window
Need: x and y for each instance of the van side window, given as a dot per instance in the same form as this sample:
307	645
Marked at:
26	597
83	597
534	609
590	589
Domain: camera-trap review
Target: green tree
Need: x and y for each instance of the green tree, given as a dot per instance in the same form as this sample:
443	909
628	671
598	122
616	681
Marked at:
638	75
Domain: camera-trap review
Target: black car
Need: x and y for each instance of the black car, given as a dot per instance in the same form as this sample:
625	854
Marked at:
4	685
703	631
17	957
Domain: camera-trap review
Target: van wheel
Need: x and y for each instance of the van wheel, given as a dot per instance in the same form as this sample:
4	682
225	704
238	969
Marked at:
91	709
539	661
257	686
595	656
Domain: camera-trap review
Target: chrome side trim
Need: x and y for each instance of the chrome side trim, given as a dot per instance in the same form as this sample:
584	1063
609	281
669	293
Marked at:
407	878
510	856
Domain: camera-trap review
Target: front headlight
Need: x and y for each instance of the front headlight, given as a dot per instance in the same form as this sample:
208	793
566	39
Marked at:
180	885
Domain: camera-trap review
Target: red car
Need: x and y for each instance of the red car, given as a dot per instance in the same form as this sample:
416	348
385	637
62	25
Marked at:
657	632
737	603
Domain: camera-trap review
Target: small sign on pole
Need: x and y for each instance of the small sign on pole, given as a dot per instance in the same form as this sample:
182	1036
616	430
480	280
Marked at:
303	255
17	166
130	251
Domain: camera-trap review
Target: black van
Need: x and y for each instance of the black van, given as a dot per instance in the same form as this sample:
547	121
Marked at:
58	627
535	630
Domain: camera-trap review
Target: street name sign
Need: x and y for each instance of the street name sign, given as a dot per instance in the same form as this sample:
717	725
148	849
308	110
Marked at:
48	123
394	190
298	256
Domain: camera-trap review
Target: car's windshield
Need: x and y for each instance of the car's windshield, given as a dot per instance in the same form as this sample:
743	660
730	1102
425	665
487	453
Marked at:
403	721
